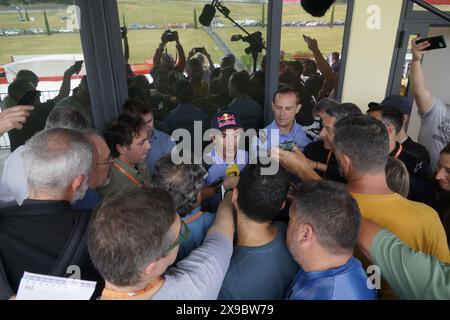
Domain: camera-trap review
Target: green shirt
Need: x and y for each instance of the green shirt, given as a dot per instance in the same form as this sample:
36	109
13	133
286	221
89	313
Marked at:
120	181
411	274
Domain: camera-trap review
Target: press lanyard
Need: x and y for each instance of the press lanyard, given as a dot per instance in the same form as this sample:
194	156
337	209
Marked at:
128	175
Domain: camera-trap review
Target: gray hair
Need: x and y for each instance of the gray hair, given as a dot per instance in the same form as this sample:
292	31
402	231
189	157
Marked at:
54	158
68	118
323	105
183	182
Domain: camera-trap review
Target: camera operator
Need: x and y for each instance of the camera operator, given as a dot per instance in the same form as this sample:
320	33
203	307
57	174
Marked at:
162	60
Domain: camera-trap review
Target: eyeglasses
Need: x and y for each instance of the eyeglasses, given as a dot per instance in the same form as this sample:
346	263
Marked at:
184	233
108	163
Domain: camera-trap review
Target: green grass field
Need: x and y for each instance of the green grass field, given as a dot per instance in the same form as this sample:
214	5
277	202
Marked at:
161	13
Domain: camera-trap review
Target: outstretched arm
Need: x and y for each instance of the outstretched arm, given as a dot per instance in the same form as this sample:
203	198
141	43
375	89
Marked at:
322	64
64	91
295	162
181	63
423	96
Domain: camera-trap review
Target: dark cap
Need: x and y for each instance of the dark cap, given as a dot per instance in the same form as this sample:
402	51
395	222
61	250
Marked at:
396	102
225	120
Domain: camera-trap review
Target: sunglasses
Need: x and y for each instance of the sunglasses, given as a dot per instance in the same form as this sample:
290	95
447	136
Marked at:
184	234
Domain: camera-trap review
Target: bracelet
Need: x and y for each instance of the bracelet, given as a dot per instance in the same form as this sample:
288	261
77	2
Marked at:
317	165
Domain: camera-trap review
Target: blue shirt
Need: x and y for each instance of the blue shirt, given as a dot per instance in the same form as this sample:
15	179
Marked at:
348	282
218	170
219	166
260	273
161	145
197	232
297	134
91	199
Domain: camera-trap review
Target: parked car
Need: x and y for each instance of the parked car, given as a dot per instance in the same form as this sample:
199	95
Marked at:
135	27
12	32
65	30
150	26
2	32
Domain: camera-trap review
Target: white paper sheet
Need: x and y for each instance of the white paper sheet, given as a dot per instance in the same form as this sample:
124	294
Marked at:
41	287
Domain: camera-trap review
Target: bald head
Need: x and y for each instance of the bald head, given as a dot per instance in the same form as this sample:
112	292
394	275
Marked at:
101	164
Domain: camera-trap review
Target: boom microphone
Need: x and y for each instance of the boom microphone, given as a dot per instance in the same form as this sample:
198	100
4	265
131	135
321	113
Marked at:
317	8
208	13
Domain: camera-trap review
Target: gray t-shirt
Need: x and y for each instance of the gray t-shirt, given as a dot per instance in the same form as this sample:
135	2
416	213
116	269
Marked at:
200	275
435	129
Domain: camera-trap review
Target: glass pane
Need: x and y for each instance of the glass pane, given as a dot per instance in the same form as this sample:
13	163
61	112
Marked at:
42	37
147	22
443	5
314	79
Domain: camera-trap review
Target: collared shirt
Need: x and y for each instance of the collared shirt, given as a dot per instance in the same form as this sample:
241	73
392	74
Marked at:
161	145
272	136
218	168
121	181
347	282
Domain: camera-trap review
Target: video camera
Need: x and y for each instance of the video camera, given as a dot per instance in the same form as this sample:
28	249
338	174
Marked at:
255	40
169	36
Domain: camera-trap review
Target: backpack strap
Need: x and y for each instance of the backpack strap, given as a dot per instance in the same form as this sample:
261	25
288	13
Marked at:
75	249
5	290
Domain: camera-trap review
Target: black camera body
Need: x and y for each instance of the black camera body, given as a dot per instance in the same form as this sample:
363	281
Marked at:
169	36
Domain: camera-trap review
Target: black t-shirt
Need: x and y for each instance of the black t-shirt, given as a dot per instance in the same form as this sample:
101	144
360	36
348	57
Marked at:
416	166
33	236
316	151
417	150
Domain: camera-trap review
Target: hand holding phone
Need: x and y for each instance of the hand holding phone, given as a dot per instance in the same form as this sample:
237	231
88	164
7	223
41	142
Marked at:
435	43
77	66
287	146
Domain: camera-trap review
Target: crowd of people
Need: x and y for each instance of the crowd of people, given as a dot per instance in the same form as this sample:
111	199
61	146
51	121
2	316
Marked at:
351	190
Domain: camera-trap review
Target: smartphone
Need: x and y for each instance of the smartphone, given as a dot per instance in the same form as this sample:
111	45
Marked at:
29	98
435	43
79	65
287	146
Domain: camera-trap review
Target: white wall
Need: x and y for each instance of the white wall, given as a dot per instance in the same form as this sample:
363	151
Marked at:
436	67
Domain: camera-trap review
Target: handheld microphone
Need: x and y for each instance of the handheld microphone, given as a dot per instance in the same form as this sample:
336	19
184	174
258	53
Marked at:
317	8
208	13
